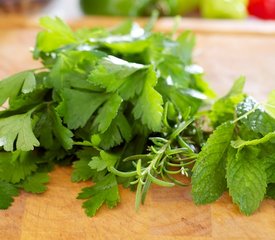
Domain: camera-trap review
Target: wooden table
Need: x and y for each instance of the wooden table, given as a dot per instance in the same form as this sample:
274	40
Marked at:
226	51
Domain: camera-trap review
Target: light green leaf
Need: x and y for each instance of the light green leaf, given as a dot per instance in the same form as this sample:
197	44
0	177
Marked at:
246	180
22	82
208	179
239	143
107	113
148	107
97	164
56	34
17	129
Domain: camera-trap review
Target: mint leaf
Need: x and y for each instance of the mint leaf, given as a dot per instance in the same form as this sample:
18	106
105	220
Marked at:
104	191
258	120
7	192
239	143
208	179
17	129
35	183
246	180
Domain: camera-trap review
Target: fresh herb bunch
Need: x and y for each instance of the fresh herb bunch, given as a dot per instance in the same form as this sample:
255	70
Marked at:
127	106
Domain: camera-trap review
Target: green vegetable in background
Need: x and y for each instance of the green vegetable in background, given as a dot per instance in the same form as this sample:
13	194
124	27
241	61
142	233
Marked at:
223	8
138	7
125	106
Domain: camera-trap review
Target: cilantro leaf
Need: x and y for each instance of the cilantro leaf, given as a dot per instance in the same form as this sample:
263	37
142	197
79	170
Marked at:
208	179
7	192
246	180
75	112
118	130
17	128
112	72
105	160
97	164
148	107
22	82
107	113
50	130
35	183
104	191
56	34
16	166
81	170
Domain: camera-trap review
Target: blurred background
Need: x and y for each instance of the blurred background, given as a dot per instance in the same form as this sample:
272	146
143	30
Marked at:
73	9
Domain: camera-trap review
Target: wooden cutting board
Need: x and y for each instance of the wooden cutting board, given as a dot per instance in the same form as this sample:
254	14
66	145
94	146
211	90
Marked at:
225	53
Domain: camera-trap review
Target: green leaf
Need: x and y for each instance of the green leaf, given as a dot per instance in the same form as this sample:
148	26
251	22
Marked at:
270	105
7	192
17	129
246	179
78	106
258	120
270	191
187	41
104	191
56	34
81	170
267	157
224	108
35	183
107	113
118	131
22	82
111	72
16	166
208	179
239	143
148	107
97	164
103	161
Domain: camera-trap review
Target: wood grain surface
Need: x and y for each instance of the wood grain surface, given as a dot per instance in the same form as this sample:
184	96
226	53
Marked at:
168	213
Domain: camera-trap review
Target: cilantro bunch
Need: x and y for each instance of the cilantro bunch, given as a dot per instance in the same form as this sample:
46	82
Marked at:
127	106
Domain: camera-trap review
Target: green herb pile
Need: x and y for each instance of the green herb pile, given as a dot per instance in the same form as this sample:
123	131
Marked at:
127	106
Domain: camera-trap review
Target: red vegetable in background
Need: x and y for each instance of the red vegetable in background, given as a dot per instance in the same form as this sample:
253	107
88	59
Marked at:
262	8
